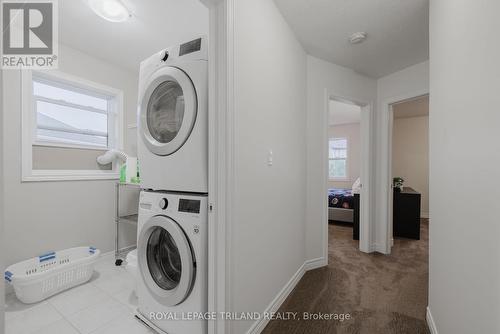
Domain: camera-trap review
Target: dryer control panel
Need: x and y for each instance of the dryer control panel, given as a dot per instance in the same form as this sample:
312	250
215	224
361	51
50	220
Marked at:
189	47
196	49
189	205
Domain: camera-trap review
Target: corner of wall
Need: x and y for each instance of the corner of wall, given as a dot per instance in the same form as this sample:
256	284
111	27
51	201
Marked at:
275	304
315	263
430	321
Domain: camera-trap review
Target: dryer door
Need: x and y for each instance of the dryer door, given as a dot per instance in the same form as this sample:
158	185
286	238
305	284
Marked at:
166	260
167	111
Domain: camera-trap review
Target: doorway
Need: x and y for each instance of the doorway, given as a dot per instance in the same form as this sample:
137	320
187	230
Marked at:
347	170
408	169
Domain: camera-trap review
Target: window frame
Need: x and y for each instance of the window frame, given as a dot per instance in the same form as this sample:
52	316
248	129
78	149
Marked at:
29	126
339	178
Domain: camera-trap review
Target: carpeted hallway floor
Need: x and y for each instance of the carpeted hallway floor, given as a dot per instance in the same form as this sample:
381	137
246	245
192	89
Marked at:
382	294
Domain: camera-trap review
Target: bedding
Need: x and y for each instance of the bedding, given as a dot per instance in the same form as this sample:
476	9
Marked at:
340	198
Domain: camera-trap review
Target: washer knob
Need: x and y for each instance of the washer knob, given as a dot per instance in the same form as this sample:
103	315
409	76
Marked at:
164	203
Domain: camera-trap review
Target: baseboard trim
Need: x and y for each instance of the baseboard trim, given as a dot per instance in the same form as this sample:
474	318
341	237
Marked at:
315	263
430	321
379	249
107	254
275	304
111	254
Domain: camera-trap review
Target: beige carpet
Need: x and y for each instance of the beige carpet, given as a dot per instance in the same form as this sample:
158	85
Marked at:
382	294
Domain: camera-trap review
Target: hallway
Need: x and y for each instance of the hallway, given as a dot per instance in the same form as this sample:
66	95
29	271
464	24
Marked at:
382	294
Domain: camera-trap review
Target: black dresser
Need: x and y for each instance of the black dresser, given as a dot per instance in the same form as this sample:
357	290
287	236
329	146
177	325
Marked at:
406	213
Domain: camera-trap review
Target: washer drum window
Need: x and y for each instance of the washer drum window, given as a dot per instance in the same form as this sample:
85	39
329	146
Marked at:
164	260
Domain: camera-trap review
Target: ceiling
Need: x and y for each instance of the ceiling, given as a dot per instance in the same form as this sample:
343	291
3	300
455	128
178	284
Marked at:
412	108
398	32
155	24
343	113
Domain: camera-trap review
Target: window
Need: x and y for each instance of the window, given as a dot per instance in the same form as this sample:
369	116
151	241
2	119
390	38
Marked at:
66	119
337	148
69	115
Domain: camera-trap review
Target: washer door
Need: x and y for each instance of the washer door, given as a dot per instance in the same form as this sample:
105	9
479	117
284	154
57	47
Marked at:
168	111
166	260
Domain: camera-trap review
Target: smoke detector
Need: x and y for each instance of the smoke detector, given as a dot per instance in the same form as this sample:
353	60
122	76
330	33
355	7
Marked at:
357	37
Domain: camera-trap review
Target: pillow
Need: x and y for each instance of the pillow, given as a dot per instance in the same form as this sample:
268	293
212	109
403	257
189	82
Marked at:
356	187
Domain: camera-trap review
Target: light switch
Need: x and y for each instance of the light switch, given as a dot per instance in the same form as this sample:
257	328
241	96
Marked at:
270	158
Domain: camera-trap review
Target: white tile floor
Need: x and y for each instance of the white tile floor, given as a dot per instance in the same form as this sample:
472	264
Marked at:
104	305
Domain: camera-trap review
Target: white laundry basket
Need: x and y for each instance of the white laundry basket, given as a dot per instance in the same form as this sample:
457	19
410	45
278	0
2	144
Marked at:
43	276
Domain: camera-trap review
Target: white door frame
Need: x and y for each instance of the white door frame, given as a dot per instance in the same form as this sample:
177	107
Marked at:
385	192
221	159
365	227
2	250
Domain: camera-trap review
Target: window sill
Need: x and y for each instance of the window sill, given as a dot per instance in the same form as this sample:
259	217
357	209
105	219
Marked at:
340	179
69	175
45	143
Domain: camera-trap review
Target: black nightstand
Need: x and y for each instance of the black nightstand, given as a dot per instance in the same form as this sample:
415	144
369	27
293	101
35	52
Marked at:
406	213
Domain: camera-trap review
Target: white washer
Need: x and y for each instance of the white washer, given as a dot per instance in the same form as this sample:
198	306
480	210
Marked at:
173	119
172	260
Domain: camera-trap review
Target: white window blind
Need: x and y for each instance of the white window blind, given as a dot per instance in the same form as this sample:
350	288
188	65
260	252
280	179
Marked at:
337	158
71	115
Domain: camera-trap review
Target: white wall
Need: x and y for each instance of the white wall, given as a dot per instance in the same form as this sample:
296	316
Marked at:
352	132
267	244
464	286
410	156
43	216
411	81
341	82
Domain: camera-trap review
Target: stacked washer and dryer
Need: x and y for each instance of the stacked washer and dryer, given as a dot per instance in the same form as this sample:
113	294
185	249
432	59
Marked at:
173	216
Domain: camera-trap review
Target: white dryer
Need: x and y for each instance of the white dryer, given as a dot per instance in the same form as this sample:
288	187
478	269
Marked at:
172	286
173	119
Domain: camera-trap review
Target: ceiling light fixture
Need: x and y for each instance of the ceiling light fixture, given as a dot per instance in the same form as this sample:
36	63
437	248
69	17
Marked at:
111	10
357	37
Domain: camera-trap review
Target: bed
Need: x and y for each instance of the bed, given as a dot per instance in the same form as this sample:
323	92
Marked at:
341	205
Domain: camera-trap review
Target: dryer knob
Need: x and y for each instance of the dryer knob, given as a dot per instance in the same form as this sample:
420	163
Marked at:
164	203
165	56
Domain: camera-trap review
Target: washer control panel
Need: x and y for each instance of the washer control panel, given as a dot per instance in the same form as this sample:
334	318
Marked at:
174	205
